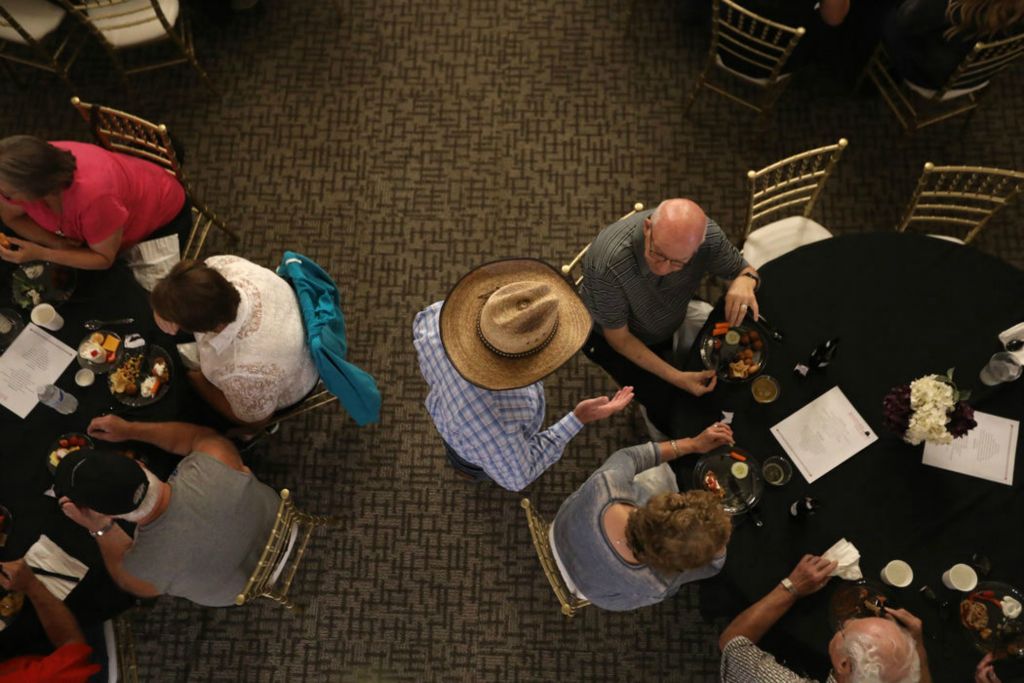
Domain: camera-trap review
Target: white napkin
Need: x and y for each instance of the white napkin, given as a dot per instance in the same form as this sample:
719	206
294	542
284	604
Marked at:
1015	332
848	558
46	554
152	260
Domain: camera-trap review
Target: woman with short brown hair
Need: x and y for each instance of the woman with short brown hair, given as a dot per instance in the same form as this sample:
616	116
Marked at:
80	205
627	538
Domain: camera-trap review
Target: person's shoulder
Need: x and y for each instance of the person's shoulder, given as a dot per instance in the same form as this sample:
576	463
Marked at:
230	266
612	249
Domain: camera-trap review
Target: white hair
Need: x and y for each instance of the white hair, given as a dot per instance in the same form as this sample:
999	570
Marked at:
149	501
882	659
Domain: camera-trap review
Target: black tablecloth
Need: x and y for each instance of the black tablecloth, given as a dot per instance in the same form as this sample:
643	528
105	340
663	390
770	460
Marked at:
24	445
903	305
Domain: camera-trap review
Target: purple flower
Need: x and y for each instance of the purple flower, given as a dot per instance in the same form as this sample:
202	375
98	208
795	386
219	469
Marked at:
961	419
896	409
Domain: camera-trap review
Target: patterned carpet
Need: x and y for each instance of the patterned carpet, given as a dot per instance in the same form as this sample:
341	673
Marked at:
400	144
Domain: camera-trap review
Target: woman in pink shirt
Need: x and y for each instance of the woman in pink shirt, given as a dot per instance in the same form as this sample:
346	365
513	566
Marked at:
79	205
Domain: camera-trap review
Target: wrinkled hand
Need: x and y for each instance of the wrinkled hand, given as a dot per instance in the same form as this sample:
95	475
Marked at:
714	436
109	428
984	673
16	576
811	574
697	383
740	299
594	409
26	251
84	517
907	621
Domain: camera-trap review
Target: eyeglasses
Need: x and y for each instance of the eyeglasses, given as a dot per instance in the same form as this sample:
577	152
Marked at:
658	256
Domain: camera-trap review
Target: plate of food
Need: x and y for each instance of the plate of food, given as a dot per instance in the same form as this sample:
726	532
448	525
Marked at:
100	351
732	475
65	445
991	614
856	600
41	282
11	326
736	352
10	606
142	377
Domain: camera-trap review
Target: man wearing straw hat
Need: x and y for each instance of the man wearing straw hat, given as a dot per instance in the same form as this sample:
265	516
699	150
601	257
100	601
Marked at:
483	351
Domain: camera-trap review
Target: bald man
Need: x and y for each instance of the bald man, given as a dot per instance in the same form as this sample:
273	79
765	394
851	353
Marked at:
879	650
638	277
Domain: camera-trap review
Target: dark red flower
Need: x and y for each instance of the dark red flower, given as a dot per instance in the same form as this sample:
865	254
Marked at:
961	419
896	409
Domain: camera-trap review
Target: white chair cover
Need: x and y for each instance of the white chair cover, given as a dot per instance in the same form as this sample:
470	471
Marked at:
780	237
38	18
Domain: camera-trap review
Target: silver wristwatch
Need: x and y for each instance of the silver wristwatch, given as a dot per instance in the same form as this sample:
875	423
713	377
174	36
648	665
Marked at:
100	532
788	585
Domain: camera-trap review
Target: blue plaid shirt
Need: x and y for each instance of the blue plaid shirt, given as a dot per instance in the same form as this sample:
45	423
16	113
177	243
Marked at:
498	431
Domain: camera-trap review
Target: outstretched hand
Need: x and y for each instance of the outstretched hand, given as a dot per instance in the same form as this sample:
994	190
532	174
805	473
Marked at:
718	434
109	428
594	409
697	383
811	574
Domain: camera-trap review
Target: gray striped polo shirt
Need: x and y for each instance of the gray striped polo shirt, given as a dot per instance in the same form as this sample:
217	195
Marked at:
619	288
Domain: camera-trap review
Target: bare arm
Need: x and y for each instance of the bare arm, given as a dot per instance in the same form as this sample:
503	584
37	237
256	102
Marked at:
180	438
113	546
833	12
57	620
15	218
714	436
808	577
99	256
634	350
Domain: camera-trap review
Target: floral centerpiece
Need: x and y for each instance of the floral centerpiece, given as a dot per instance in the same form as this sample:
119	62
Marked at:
930	408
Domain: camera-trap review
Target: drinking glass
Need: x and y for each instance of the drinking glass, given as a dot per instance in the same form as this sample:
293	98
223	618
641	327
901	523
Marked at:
1002	367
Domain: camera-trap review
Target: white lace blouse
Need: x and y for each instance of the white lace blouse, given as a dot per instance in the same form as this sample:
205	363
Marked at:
260	361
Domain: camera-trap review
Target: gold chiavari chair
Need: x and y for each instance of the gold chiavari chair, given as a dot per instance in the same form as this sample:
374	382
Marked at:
964	196
916	107
121	132
761	45
29	36
785	193
123	24
540	533
319	398
273	575
573	270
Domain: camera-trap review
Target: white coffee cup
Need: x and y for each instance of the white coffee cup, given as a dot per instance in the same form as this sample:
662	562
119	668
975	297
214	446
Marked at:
897	573
960	577
85	377
47	316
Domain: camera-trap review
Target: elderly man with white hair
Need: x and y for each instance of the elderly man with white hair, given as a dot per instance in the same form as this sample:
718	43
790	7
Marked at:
638	278
867	650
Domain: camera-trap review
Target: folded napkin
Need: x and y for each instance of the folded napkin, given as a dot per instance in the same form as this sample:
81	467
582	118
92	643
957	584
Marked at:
1015	332
46	554
848	558
152	260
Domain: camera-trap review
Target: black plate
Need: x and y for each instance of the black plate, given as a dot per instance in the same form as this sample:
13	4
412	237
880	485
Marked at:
148	353
750	487
100	368
712	358
53	284
89	445
1006	636
855	600
17	325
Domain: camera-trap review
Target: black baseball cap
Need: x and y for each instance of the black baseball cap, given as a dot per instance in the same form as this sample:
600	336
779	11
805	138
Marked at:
102	480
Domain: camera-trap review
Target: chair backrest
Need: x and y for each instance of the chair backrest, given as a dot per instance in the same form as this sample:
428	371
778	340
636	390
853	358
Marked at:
107	18
539	530
762	44
318	398
273	575
126	133
573	270
791	185
965	196
982	63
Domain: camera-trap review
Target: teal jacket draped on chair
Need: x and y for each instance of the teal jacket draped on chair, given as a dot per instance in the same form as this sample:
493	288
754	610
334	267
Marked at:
325	334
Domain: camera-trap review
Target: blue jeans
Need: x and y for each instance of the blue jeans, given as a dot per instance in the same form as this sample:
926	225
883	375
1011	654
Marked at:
465	468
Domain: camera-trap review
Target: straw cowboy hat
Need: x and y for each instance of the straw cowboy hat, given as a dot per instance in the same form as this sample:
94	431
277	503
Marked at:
510	323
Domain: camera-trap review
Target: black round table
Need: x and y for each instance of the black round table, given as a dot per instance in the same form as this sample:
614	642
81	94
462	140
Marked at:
903	305
24	477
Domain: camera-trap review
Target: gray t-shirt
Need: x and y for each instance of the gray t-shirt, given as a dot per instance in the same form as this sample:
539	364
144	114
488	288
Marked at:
620	289
595	568
208	541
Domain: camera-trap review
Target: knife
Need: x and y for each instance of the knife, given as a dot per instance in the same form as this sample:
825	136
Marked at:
734	489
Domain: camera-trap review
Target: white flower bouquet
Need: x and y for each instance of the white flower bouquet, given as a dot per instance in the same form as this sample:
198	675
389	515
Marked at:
930	409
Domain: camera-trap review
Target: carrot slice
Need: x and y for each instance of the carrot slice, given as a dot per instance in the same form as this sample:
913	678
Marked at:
737	456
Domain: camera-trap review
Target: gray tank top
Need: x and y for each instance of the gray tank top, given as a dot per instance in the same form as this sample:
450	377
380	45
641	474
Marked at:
208	541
